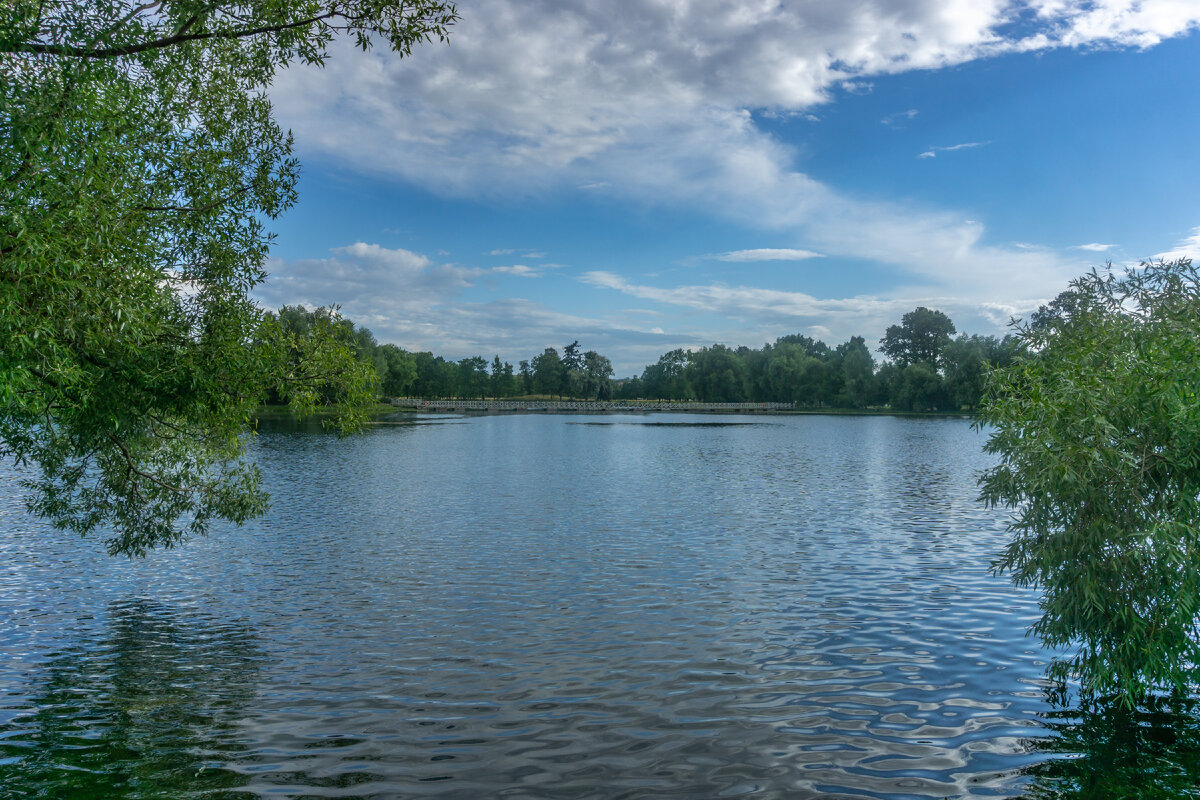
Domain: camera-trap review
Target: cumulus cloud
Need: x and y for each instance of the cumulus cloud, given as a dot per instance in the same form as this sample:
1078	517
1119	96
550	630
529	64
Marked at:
537	93
768	254
1130	23
657	102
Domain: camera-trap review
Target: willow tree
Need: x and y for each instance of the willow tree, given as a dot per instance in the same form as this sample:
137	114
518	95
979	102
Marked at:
1098	430
140	165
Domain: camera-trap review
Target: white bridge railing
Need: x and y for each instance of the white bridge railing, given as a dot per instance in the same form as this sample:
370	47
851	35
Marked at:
583	405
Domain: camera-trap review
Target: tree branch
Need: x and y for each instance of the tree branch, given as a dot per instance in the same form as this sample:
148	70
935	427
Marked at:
168	41
129	464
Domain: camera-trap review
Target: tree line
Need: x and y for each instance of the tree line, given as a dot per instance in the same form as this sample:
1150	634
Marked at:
927	368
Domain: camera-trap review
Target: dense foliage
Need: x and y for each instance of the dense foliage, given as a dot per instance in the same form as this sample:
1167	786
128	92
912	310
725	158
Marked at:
939	373
140	162
1098	429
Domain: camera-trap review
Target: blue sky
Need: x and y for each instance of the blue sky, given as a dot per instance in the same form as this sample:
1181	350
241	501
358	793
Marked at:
642	176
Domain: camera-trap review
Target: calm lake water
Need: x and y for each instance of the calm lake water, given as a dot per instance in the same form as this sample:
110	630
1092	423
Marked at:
559	607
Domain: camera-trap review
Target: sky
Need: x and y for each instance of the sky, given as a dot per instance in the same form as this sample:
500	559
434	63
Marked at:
644	175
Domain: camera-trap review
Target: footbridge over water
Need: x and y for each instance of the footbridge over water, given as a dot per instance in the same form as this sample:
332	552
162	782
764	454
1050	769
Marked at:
586	406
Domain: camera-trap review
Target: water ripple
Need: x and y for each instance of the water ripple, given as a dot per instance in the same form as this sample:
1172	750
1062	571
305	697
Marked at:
525	607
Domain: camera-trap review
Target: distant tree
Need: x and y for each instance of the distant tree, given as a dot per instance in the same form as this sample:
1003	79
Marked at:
398	370
918	387
496	379
788	376
717	374
756	362
473	377
596	373
508	382
667	379
547	372
1097	427
919	338
811	347
857	373
629	389
526	378
436	377
447	378
571	371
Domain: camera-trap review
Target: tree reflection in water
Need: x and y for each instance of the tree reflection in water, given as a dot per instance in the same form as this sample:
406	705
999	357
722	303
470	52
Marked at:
148	710
1102	752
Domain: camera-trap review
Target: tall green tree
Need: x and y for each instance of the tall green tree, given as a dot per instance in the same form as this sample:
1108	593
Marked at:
920	337
140	164
717	374
524	377
571	371
1098	431
667	378
597	370
473	377
857	373
547	372
328	361
397	370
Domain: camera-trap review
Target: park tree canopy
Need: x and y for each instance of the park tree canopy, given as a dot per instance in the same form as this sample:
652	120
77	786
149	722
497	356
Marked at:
1098	429
920	338
140	165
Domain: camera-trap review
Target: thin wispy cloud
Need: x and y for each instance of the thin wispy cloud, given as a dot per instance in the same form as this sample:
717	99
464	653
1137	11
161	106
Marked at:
900	117
1186	248
508	251
933	151
768	254
519	270
409	299
832	319
1095	247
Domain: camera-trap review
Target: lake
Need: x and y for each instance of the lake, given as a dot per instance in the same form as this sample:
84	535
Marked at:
536	606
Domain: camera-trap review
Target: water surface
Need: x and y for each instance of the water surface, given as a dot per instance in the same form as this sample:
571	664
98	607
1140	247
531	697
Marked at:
525	606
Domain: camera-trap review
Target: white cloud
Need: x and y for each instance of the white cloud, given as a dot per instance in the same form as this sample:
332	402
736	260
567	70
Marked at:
531	94
772	313
933	151
654	104
407	299
1134	23
1095	247
520	270
366	279
1188	248
900	117
768	254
